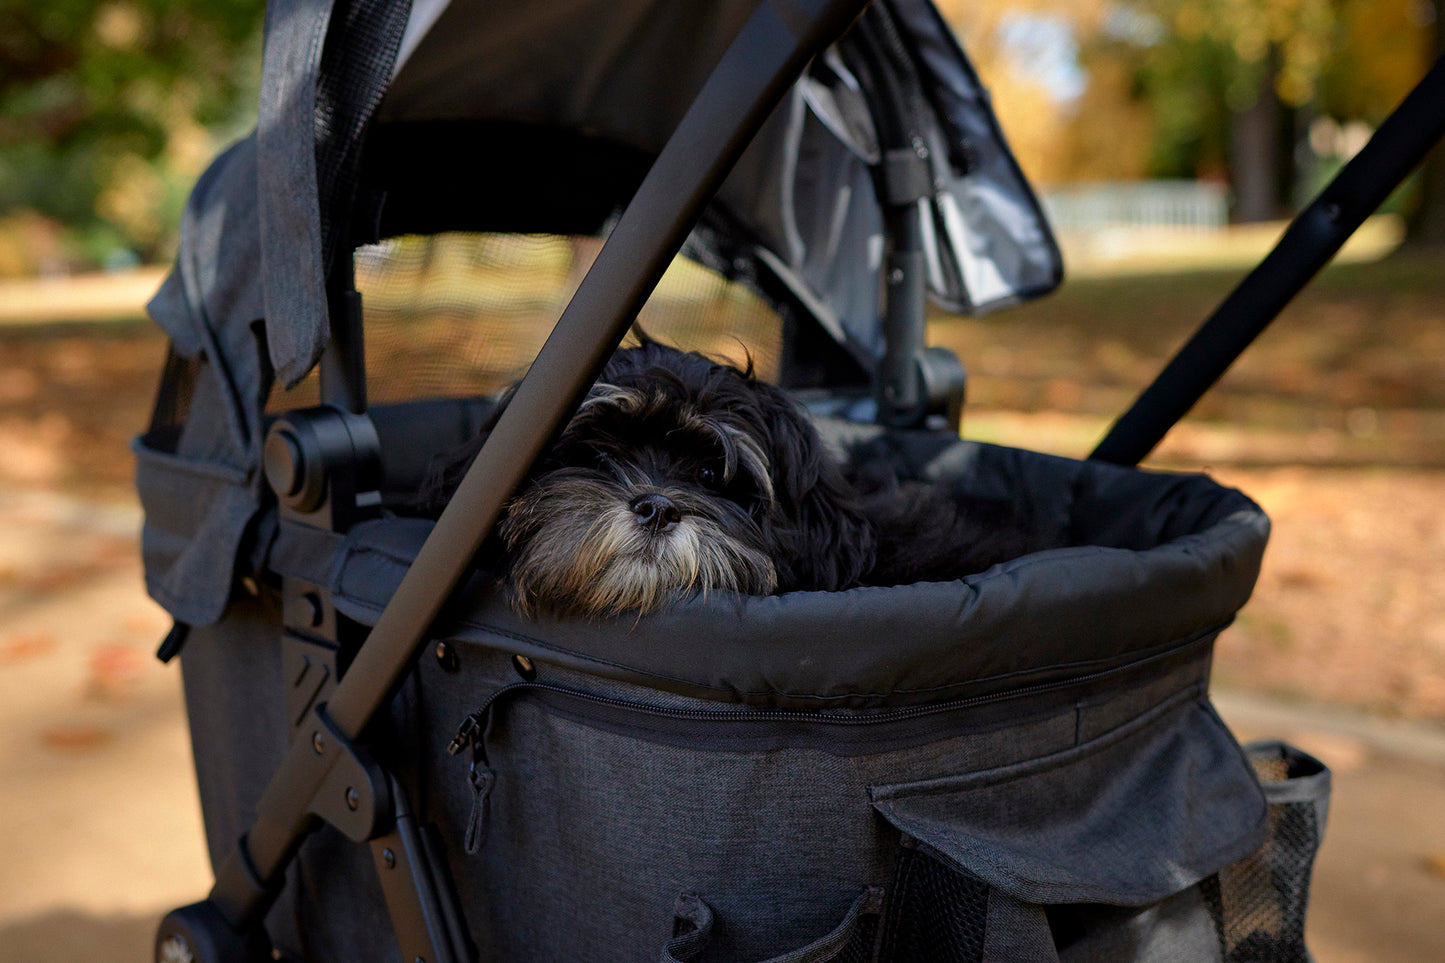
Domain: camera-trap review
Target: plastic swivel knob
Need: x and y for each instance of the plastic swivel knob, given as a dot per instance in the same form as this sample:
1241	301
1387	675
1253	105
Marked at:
295	464
282	457
198	933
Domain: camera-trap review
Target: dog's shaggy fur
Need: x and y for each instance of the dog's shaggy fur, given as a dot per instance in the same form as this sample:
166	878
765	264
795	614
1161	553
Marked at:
679	474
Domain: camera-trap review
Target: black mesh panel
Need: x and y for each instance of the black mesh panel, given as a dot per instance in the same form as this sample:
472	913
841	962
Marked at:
173	401
935	913
861	944
1259	902
462	315
356	62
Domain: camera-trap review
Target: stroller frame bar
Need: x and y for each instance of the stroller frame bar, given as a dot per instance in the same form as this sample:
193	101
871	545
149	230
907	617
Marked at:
762	62
1310	241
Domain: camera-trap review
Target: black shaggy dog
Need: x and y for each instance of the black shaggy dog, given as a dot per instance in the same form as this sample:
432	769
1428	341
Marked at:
679	474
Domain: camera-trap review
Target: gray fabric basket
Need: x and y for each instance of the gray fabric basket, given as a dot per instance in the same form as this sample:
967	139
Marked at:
1021	765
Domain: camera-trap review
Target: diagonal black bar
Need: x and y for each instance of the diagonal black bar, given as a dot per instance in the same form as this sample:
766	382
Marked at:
1314	237
766	57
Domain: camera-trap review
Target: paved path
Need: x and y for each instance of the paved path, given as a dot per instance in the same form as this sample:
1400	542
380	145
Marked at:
85	297
102	832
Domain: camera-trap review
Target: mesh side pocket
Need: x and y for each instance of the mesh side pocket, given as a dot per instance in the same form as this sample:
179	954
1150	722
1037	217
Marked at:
173	402
1259	902
935	912
860	946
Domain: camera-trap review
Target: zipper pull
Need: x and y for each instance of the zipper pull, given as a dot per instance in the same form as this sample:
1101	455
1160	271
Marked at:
483	778
473	730
467	732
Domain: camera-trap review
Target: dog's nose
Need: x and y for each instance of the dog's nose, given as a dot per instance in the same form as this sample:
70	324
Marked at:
655	512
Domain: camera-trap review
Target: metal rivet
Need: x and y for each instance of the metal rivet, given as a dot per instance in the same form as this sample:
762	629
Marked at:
524	667
353	798
447	657
318	742
388	857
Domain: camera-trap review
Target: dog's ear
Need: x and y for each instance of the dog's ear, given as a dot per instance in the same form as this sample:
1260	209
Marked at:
643	338
443	475
449	466
820	537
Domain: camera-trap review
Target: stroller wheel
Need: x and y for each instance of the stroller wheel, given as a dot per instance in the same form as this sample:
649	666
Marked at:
198	933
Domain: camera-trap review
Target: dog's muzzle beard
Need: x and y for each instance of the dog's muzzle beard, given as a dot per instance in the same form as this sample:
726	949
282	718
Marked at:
585	544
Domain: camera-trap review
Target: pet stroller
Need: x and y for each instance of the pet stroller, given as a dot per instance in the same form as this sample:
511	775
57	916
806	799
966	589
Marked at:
1020	765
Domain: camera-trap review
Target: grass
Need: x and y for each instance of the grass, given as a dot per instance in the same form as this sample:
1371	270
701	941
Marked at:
1350	373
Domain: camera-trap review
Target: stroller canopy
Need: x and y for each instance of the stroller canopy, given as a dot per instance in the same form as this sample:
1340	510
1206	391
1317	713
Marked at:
506	89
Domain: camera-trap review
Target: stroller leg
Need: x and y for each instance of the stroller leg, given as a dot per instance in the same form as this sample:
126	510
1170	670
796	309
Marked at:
423	906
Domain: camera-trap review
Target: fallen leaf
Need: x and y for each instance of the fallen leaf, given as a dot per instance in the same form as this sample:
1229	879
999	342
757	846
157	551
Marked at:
114	670
60	577
75	738
22	648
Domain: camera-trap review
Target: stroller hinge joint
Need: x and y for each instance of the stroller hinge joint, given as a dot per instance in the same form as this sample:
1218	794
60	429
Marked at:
355	794
324	465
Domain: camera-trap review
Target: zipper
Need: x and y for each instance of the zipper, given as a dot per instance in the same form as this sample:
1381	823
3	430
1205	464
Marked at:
472	731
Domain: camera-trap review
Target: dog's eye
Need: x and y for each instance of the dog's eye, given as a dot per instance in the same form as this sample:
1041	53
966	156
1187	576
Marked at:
709	476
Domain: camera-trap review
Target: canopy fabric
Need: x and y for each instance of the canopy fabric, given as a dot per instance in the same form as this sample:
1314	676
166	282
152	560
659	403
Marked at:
621	71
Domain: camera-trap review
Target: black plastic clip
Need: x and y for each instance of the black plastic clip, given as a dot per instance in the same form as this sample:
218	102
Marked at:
175	639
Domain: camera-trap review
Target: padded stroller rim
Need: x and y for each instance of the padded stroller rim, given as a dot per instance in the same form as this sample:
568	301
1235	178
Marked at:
1183	564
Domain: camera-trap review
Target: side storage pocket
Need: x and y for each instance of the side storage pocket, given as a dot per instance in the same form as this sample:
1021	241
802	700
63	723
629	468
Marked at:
197	493
1093	853
196	514
851	941
1259	901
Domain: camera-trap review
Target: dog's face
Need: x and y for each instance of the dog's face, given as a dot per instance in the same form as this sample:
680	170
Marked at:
679	474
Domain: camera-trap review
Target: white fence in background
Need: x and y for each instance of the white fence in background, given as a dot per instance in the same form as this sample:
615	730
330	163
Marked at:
1183	205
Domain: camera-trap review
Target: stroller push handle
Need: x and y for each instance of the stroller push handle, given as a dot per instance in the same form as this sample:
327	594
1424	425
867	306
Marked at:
768	54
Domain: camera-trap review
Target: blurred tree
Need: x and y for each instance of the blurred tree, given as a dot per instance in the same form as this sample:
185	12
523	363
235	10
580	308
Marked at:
108	112
1023	51
1217	89
1427	225
1381	50
1238	79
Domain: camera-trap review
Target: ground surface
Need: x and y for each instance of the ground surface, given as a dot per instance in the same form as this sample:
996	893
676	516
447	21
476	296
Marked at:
1335	423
